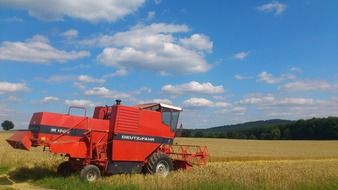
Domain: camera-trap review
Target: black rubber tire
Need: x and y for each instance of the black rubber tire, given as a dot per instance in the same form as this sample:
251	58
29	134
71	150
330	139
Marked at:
65	169
160	164
90	173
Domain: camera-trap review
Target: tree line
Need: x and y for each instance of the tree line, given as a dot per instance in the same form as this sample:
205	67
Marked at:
311	129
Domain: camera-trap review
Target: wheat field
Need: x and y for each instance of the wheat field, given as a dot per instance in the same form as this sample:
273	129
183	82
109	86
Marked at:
243	150
234	164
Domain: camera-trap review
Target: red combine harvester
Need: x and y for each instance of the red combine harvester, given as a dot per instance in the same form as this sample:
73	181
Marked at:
118	139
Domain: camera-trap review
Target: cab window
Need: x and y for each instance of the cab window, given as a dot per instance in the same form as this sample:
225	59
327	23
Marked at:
166	116
174	119
170	118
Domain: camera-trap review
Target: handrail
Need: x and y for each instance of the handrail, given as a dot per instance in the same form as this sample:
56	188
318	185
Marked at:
78	107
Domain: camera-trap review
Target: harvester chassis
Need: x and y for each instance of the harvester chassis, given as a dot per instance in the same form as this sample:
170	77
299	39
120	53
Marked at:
117	139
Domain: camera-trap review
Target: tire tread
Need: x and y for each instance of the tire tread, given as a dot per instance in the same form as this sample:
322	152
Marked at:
155	158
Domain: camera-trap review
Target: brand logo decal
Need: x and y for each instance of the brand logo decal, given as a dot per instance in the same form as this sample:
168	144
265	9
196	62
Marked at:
59	130
137	138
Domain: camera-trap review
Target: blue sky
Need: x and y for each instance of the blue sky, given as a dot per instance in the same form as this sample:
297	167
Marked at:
222	61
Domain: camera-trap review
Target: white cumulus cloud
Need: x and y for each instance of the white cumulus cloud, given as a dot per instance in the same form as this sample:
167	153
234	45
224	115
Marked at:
270	79
192	87
275	7
157	47
88	10
8	87
37	50
49	99
150	15
238	110
157	100
197	41
71	33
203	102
290	107
80	103
89	79
57	78
81	80
118	73
258	99
197	102
241	55
241	77
271	100
140	36
311	85
103	92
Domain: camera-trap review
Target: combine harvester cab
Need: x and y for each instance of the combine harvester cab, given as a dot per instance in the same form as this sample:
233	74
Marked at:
118	139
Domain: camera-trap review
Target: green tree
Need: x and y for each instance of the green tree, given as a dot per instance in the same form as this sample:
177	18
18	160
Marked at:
252	136
186	133
285	133
275	133
221	135
7	125
211	135
199	134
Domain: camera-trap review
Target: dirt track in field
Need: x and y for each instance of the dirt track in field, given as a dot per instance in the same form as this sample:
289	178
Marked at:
7	183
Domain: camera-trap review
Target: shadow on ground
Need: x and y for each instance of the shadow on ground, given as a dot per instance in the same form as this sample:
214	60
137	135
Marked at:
35	173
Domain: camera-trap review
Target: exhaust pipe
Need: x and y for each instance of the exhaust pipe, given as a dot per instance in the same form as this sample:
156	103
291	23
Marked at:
118	102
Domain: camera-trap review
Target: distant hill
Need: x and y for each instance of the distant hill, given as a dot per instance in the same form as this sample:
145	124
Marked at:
249	125
242	126
275	129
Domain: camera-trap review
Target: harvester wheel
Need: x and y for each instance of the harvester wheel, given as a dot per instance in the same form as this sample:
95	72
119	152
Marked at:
65	169
90	173
160	164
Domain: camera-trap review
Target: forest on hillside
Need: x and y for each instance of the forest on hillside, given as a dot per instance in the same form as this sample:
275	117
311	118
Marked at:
310	129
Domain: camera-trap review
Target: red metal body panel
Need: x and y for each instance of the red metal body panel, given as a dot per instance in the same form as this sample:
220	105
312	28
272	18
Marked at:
141	122
54	127
127	120
132	151
151	123
21	140
75	149
69	121
135	121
